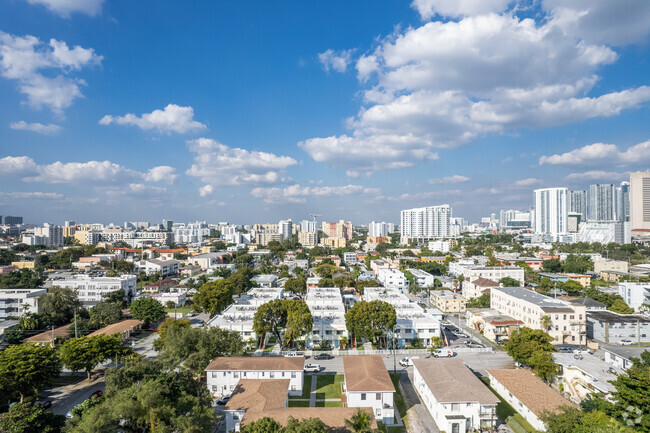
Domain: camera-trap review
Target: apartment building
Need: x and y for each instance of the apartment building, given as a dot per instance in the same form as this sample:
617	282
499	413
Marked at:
367	384
92	290
334	242
456	399
328	312
17	302
473	288
308	239
166	268
223	373
495	273
341	229
393	278
447	301
49	235
613	328
493	325
636	295
567	321
422	279
425	223
583	376
350	258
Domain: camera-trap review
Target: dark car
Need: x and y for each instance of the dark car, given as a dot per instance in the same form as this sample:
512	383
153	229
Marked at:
223	400
97	393
44	404
323	356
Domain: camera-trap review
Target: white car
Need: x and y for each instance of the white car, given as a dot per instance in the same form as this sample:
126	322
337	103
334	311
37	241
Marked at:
312	368
408	361
626	342
443	353
582	351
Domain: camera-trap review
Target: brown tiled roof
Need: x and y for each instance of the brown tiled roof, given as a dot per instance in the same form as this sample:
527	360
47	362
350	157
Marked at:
118	328
46	337
529	390
450	380
366	373
275	363
485	282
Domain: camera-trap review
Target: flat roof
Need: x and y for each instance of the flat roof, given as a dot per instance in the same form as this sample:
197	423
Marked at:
450	381
626	352
118	328
533	297
591	365
587	302
366	373
612	317
529	390
271	363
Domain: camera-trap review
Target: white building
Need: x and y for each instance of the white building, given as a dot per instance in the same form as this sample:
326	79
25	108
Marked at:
526	394
640	200
494	273
266	280
425	223
636	295
578	203
328	312
165	267
441	246
350	258
567	321
224	373
49	235
206	260
605	232
382	229
584	375
615	328
177	297
423	279
367	384
392	278
17	302
285	228
602	204
92	290
551	211
456	399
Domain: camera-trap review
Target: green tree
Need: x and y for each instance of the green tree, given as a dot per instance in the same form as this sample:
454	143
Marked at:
545	322
296	285
165	326
360	422
263	425
28	418
572	287
576	264
214	296
243	261
325	282
311	425
619	306
370	320
570	419
105	313
84	353
533	347
27	367
116	297
509	282
482	301
241	280
552	265
59	304
292	317
632	394
21	279
148	310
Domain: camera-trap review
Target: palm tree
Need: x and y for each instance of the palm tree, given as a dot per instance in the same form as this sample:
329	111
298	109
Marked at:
545	321
360	422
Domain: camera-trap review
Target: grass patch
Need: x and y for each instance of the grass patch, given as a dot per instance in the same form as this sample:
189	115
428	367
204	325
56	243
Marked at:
360	348
183	310
328	386
390	428
306	387
323	403
525	424
400	404
268	348
294	403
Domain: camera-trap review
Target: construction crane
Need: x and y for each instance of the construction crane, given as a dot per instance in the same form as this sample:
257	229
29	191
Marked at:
314	215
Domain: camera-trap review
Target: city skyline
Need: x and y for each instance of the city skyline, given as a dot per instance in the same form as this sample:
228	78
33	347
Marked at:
258	112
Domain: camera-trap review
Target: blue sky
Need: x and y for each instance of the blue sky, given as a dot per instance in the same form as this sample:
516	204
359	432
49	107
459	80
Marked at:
258	111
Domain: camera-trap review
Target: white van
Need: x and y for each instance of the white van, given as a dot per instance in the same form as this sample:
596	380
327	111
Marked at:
442	353
408	361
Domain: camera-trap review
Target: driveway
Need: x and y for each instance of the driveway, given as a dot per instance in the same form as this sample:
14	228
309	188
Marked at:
417	417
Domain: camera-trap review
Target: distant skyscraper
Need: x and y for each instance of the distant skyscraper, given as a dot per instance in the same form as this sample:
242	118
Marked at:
10	220
380	229
167	225
551	210
640	200
285	228
623	202
578	203
601	202
426	222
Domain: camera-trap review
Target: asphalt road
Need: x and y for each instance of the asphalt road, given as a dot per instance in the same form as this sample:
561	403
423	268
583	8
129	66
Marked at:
66	397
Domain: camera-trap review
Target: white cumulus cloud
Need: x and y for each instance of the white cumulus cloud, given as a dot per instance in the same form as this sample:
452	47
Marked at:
17	165
33	195
40	128
458	8
300	194
456	178
601	153
65	7
335	60
163	173
527	182
173	118
598	175
218	164
206	190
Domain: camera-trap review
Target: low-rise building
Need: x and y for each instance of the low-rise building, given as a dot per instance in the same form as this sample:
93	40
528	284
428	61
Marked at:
621	356
125	328
266	280
159	286
92	290
495	273
376	265
224	373
328	313
526	394
588	303
350	258
178	298
26	264
367	384
15	303
335	259
602	264
448	301
493	325
392	278
422	279
456	399
584	280
584	375
166	268
478	286
613	328
567	321
636	295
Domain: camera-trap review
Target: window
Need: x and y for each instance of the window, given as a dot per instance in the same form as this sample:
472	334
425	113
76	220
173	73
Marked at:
272	375
378	396
363	396
224	374
236	375
293	374
454	407
293	387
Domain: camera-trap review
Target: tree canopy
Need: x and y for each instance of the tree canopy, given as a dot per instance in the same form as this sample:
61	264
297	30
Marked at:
27	367
59	304
292	317
84	353
29	418
533	347
148	310
370	320
105	313
214	296
296	285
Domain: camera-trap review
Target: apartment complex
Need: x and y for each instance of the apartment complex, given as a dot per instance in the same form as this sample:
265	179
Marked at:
17	302
392	278
341	230
92	290
425	223
328	312
551	211
447	301
640	200
367	384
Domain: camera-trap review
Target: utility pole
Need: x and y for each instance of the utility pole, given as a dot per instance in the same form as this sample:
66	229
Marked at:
75	324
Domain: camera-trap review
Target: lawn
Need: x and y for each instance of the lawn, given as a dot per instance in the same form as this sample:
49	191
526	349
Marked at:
328	386
294	403
399	400
183	310
390	428
306	387
323	403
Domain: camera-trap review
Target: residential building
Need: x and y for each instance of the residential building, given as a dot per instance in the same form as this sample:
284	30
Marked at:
613	328
493	325
447	301
425	223
124	328
177	297
49	235
623	202
640	200
495	273
159	286
551	211
350	258
285	228
328	313
206	260
341	229
308	239
223	373
584	280
589	304
456	399
15	303
28	264
10	220
585	375
475	287
266	280
367	384
92	290
377	265
527	394
636	295
440	246
602	205
334	242
567	321
382	229
422	279
601	265
166	268
578	203
392	278
334	259
621	356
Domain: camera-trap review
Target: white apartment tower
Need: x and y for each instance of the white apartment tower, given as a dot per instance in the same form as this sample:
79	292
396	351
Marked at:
578	203
640	200
380	229
601	202
425	222
285	228
551	211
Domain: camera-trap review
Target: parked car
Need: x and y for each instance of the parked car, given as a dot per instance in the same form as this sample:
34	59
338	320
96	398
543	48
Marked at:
44	404
70	414
97	393
584	350
312	368
626	342
443	353
565	350
323	356
407	361
293	354
223	400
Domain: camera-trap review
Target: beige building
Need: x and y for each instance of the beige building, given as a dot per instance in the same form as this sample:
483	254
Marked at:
448	301
23	265
640	200
307	239
584	280
602	264
266	237
567	322
334	242
491	324
341	229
